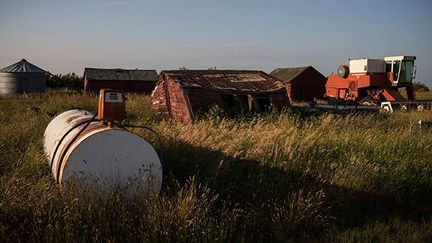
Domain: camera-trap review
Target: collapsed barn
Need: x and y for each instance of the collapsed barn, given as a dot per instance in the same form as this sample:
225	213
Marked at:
127	80
302	83
184	94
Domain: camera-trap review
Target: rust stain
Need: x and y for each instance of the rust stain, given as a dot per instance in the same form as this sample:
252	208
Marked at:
227	80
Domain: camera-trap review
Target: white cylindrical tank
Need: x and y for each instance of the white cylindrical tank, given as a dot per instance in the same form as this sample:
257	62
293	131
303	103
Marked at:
95	153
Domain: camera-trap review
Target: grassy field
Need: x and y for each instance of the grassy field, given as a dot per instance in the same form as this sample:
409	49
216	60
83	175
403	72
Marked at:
271	178
420	95
423	95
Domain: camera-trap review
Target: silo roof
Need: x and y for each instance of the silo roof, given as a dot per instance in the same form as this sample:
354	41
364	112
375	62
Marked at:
22	66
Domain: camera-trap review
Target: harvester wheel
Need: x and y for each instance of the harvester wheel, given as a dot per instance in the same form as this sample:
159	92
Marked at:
343	71
367	100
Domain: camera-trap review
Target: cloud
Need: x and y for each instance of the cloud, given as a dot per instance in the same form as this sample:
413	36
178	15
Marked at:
278	1
116	3
238	44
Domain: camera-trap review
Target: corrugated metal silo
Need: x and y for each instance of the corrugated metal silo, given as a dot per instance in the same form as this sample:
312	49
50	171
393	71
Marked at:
22	77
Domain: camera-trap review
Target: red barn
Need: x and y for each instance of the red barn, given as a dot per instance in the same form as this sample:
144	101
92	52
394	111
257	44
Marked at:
128	80
183	94
302	83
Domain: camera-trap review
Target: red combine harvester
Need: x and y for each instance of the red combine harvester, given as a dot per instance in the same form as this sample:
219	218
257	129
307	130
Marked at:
371	81
375	82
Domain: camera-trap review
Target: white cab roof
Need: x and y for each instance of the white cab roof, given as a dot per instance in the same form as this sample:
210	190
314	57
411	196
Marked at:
395	58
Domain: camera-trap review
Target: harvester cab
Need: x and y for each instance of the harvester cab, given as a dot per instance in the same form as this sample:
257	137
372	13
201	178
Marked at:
400	69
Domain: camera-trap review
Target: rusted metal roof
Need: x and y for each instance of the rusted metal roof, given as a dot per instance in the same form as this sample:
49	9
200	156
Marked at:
120	74
226	80
288	74
22	66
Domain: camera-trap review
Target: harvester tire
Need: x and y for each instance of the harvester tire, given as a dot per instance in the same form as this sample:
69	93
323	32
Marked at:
367	100
343	71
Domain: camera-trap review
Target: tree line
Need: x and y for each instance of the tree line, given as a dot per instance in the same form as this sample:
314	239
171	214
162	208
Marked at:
69	81
419	86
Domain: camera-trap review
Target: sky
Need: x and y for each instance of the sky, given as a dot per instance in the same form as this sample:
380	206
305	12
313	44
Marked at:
64	36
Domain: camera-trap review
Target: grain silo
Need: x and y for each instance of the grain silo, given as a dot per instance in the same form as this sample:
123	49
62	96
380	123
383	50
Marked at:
22	77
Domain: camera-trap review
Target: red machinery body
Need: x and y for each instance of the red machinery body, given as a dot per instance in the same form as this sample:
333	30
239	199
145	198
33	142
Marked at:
362	86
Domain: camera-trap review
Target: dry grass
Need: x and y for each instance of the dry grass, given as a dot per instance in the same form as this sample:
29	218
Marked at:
269	178
425	95
420	95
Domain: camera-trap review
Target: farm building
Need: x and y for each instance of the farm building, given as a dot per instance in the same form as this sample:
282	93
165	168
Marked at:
185	93
303	83
127	80
22	77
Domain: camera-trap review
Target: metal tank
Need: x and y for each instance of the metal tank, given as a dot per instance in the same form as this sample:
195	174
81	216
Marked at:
22	77
79	147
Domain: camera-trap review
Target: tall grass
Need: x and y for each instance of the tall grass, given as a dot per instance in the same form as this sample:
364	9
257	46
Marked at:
271	178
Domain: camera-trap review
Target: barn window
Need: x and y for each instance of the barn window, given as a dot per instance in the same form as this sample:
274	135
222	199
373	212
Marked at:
262	103
228	100
233	104
244	103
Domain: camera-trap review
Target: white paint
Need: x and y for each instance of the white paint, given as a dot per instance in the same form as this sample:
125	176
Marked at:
102	156
387	106
367	66
57	128
399	58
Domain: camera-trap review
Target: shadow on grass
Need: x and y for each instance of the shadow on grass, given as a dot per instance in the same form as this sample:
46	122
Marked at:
290	202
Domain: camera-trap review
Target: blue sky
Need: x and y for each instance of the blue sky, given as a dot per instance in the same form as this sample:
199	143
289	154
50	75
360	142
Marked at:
66	36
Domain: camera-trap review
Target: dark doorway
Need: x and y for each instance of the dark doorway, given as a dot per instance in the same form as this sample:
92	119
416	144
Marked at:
229	101
243	101
262	104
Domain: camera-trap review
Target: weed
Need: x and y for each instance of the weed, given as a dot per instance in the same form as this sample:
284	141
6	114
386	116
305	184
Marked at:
274	177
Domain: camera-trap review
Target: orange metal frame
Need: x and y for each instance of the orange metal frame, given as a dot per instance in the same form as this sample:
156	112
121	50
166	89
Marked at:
357	85
111	111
